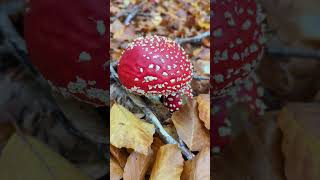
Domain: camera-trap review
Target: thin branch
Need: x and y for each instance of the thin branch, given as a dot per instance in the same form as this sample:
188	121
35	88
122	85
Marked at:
155	121
200	78
132	14
195	39
283	51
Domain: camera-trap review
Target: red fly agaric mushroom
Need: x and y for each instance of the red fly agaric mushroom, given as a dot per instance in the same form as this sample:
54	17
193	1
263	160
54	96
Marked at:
172	101
67	42
249	94
156	65
237	32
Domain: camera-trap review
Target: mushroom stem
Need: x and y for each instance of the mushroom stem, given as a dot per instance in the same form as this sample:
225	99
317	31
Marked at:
166	137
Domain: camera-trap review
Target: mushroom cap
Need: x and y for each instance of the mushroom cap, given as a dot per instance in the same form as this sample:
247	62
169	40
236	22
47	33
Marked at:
69	46
155	65
249	94
238	37
173	101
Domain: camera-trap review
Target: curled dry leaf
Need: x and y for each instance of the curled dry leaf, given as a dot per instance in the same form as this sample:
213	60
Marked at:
168	163
137	166
204	109
300	126
120	155
126	130
199	167
190	128
116	172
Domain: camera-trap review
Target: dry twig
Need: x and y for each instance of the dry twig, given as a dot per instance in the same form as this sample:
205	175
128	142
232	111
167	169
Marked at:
132	14
194	39
283	51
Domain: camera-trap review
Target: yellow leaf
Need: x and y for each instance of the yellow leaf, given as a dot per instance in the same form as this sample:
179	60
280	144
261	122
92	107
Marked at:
157	19
203	23
126	130
32	160
168	164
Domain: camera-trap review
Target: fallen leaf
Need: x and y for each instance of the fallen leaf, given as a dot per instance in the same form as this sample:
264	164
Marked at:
168	164
155	146
117	28
137	166
116	172
27	158
300	124
83	117
190	128
126	130
120	155
255	152
157	19
199	167
204	109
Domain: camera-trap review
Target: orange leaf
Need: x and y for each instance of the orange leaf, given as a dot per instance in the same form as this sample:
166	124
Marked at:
168	164
120	155
300	126
204	109
190	128
199	167
137	166
116	171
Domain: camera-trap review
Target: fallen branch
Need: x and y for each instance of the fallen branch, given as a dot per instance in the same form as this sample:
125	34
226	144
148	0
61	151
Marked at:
168	139
283	51
200	78
132	14
195	39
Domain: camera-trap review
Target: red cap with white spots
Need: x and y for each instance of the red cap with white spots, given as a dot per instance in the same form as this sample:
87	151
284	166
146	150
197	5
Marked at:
67	42
173	102
237	32
249	93
155	65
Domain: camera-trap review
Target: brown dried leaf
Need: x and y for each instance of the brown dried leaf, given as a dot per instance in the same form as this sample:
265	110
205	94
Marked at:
199	167
168	164
204	109
255	153
120	155
137	166
116	172
155	146
300	125
190	128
